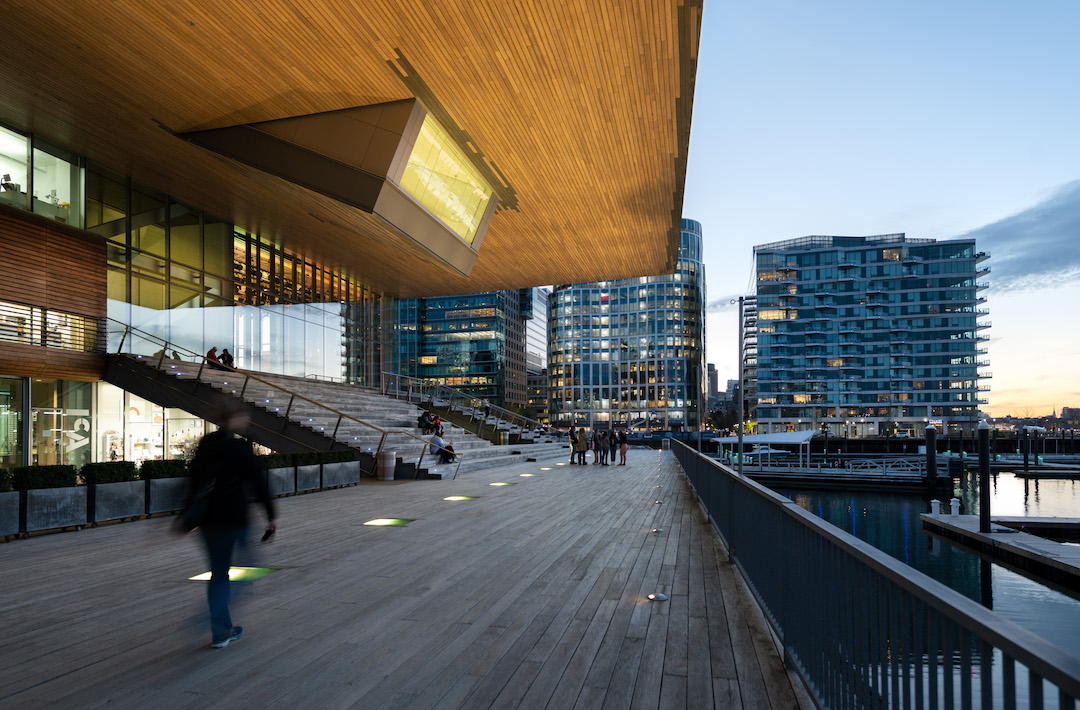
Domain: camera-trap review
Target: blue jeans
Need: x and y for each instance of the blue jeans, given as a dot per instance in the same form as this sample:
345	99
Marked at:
220	543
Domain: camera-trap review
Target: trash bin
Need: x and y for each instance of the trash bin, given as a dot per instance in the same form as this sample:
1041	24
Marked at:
504	437
665	444
384	465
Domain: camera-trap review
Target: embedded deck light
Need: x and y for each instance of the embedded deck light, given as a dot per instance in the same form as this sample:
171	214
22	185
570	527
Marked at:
461	498
658	597
527	475
239	574
500	483
389	522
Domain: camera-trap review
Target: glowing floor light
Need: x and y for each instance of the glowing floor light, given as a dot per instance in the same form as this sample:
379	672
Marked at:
461	498
239	574
526	475
502	484
387	522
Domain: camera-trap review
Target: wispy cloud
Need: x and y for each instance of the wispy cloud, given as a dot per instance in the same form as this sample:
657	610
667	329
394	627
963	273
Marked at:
724	303
1037	247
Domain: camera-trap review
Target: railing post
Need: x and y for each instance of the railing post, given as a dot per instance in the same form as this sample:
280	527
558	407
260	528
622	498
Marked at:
336	426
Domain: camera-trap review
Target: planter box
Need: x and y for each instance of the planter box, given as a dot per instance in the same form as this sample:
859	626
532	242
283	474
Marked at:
168	494
281	481
9	513
112	501
48	508
308	478
341	474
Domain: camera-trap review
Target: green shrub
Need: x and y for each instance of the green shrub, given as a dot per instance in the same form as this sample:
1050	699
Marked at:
166	468
338	456
307	458
109	472
277	460
5	479
24	478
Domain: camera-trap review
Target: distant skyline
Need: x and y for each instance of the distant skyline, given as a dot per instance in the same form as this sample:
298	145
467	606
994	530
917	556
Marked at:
939	120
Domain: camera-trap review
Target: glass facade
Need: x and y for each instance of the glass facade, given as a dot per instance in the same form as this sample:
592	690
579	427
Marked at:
473	343
443	180
198	282
37	176
868	335
179	274
630	352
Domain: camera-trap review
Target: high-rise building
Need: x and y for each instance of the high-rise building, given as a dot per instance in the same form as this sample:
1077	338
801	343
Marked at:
283	218
630	352
714	381
868	335
474	343
536	347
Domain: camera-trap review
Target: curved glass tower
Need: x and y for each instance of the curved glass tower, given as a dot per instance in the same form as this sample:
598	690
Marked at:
630	352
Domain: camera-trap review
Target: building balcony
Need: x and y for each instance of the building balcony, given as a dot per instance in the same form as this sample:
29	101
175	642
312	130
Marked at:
981	285
848	265
981	256
982	272
981	325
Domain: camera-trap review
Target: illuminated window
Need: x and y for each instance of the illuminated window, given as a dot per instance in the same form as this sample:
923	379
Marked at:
440	177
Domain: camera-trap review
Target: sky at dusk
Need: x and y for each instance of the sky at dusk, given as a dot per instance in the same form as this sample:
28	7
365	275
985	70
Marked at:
937	119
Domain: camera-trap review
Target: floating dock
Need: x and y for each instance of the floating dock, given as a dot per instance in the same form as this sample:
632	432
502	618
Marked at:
1055	562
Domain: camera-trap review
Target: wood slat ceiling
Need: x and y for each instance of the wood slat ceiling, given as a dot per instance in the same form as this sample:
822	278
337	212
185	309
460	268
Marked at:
584	106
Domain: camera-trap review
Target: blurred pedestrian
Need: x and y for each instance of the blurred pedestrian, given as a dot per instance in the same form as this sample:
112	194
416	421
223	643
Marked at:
623	448
224	475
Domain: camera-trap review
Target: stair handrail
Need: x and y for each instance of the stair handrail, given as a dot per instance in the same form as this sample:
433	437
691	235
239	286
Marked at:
430	391
204	361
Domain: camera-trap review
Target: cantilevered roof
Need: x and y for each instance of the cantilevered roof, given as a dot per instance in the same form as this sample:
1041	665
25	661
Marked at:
577	112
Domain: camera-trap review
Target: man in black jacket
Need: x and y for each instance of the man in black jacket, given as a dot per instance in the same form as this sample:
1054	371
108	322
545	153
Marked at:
226	462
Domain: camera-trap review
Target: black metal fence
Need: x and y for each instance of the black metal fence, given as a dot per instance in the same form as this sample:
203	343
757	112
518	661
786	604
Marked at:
863	629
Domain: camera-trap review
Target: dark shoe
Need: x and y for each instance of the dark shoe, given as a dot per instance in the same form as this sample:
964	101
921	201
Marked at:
237	632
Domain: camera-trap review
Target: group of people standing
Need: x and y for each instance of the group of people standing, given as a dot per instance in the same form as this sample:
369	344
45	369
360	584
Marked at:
604	444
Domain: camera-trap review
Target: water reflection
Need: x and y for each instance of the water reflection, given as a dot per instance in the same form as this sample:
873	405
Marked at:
890	522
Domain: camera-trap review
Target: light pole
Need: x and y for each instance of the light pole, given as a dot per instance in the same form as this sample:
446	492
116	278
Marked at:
742	385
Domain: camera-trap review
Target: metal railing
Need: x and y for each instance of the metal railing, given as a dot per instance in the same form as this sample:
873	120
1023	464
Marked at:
415	389
166	355
864	629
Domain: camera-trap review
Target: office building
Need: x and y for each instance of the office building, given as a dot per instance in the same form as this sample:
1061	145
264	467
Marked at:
474	343
868	336
536	347
211	176
630	352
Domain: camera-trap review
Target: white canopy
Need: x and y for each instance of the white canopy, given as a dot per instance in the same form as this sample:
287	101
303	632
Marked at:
784	437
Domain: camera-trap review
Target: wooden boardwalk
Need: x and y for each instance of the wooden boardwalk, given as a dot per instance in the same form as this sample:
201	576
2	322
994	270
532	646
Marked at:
532	596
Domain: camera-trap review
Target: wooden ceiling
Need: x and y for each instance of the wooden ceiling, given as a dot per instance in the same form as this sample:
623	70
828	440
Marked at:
583	106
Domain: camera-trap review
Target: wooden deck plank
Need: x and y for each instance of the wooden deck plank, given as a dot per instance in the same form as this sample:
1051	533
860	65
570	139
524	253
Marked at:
533	596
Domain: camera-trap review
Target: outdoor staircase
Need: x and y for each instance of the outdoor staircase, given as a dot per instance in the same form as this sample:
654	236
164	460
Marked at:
291	414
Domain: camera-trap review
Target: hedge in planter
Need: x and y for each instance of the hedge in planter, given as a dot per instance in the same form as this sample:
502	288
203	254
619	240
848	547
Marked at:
25	478
166	468
5	479
109	472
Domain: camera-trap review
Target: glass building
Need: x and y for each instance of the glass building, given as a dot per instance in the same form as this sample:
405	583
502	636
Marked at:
630	352
536	347
474	343
868	336
176	273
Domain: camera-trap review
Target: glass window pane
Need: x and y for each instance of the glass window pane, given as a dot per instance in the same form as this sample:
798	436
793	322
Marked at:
106	202
14	169
58	184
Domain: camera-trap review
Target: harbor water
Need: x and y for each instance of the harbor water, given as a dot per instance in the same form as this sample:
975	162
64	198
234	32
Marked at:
890	522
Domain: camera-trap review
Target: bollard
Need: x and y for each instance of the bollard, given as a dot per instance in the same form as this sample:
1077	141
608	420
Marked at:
984	477
954	506
935	507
